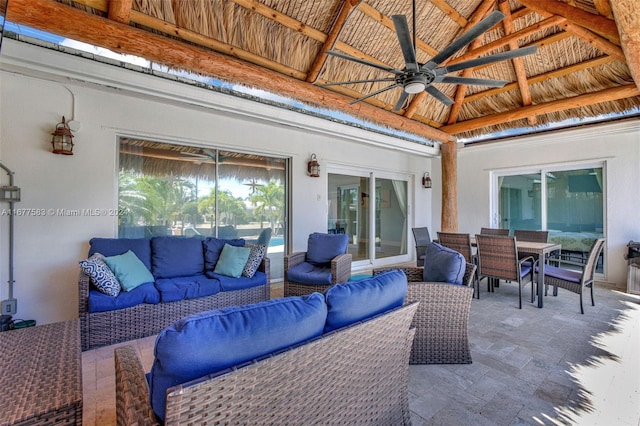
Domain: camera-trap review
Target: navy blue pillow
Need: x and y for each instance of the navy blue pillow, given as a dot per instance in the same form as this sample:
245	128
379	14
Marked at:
212	341
115	246
358	300
176	257
213	247
322	248
442	264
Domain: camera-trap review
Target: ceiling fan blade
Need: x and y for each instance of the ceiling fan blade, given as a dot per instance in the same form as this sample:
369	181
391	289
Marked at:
404	38
466	38
373	80
377	92
433	91
403	97
485	60
471	80
363	62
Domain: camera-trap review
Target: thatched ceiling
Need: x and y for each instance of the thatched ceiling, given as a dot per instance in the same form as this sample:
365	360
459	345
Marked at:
588	52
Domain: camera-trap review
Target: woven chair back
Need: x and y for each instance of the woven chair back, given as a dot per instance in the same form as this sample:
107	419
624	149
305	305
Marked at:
592	260
458	242
421	236
498	257
531	236
494	231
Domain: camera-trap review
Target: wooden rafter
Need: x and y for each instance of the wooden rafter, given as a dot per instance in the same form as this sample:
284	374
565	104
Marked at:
612	94
451	12
604	8
595	40
627	14
598	24
120	38
120	10
321	58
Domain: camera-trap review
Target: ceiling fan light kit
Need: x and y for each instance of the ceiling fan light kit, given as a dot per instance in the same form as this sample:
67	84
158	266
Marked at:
416	78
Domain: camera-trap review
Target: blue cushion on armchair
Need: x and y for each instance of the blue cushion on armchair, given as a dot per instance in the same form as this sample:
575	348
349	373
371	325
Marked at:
321	248
212	341
306	273
176	257
442	264
358	300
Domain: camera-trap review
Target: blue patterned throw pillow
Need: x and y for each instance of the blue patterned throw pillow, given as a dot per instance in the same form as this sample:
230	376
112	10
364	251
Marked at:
101	275
255	257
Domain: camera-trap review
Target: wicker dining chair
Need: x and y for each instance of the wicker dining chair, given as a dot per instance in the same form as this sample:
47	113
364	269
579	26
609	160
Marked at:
422	240
577	278
498	259
532	236
494	231
462	244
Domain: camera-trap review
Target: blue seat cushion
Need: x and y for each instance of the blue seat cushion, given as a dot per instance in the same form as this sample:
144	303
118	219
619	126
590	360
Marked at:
176	257
192	287
242	282
563	274
442	264
322	248
100	302
141	247
358	300
525	269
307	273
213	247
213	341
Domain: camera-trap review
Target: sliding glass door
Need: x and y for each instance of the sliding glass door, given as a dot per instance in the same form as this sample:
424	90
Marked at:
568	202
377	225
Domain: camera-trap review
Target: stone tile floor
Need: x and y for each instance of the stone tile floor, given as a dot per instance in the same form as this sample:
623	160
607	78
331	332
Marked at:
550	366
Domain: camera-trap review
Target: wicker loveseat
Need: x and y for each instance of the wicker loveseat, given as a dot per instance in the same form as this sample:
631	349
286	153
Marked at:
195	291
345	368
441	321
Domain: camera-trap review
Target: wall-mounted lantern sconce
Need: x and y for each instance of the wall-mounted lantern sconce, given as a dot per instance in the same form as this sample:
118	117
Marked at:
62	140
426	180
313	167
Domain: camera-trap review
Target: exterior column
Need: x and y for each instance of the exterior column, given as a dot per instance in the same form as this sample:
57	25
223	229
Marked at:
449	160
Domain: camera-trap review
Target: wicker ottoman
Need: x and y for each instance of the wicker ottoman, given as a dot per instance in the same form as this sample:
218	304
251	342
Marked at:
41	375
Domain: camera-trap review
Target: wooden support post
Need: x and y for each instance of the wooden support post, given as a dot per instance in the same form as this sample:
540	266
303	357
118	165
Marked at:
449	160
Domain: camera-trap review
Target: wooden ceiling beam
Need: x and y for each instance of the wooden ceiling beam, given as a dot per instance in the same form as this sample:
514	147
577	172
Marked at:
606	95
321	58
450	12
598	24
120	10
604	8
89	28
627	14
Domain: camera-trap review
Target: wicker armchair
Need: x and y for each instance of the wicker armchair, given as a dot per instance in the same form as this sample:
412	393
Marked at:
577	278
442	319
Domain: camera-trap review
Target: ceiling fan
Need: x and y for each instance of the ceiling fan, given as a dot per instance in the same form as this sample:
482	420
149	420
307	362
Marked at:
416	77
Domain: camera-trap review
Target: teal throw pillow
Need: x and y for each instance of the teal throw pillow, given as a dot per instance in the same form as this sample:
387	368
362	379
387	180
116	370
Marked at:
232	260
129	270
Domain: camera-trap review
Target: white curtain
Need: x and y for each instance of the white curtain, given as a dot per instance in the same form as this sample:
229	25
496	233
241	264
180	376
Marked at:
400	188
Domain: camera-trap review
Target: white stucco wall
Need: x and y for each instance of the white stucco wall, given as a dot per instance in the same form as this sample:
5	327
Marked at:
617	144
36	90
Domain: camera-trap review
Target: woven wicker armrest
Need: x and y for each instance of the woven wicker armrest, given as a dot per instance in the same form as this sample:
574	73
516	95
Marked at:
416	274
132	391
341	268
294	259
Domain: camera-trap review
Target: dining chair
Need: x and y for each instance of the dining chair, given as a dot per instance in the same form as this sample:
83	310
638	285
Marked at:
531	236
494	231
498	259
462	244
578	277
422	240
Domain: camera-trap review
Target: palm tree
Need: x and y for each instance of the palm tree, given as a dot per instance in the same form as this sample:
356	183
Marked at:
269	202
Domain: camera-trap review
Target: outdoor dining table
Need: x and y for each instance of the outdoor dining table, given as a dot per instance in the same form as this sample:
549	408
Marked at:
539	251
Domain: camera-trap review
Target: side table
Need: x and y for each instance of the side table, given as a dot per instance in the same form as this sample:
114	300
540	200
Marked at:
41	375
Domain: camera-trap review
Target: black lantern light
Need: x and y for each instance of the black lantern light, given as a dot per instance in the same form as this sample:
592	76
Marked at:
313	167
426	180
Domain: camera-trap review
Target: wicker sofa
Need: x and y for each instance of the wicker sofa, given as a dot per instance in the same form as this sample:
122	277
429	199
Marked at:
355	373
119	324
441	321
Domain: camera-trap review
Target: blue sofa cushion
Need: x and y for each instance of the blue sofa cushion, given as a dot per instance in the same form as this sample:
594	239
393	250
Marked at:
321	248
212	341
176	257
242	282
213	247
115	246
100	302
358	300
192	287
306	273
442	264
